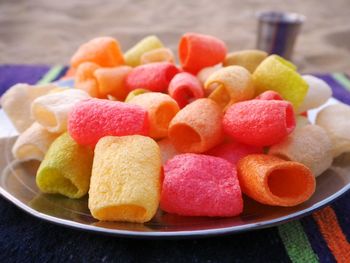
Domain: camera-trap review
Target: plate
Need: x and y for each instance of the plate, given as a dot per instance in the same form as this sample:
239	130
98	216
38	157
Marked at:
17	184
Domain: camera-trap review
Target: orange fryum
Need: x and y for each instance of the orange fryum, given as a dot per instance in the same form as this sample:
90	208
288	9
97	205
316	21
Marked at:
111	81
331	231
197	51
197	127
85	78
161	109
158	55
104	51
273	181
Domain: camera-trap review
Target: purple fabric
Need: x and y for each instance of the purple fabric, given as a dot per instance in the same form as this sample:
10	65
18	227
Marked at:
339	207
339	92
12	74
62	73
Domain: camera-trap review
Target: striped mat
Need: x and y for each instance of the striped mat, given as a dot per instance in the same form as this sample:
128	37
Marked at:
321	237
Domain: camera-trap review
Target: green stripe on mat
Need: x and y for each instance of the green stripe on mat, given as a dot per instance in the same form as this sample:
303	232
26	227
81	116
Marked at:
296	243
342	79
51	74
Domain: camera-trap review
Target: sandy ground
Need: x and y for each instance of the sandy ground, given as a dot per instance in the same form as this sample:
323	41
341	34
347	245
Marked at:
41	31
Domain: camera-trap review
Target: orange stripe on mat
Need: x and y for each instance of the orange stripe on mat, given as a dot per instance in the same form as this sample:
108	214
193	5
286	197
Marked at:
328	224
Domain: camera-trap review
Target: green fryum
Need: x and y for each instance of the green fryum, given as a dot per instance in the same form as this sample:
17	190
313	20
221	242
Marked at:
66	168
280	75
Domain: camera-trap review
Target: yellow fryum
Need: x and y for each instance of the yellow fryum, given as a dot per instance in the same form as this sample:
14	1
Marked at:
125	181
161	108
204	73
135	93
158	55
66	168
278	74
133	55
248	59
229	85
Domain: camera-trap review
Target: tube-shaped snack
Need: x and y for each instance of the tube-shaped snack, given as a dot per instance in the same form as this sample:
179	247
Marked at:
269	95
157	55
200	185
319	92
167	150
161	109
33	143
309	145
51	110
17	100
185	88
85	78
274	181
135	93
90	120
234	151
230	85
133	55
197	51
111	81
248	59
104	51
197	127
278	74
204	73
259	122
154	76
335	120
125	181
66	168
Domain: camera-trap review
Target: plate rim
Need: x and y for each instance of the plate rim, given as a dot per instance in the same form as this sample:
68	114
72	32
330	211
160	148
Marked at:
173	234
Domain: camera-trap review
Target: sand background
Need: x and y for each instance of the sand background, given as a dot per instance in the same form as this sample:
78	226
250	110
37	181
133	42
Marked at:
48	32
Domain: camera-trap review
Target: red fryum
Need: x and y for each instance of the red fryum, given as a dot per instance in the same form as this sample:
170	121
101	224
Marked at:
197	51
259	122
92	119
200	185
154	76
184	88
269	95
234	151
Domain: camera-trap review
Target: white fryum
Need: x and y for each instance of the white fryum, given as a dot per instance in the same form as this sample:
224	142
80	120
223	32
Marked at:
319	92
335	120
51	110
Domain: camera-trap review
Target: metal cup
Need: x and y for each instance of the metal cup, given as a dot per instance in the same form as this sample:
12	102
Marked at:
278	31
